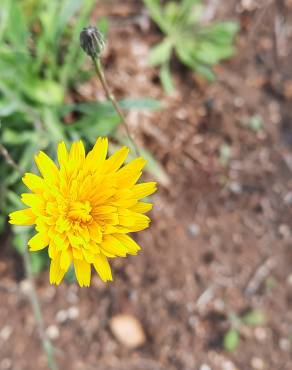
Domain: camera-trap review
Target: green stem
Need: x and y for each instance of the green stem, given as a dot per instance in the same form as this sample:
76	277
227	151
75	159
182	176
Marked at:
35	304
101	75
33	297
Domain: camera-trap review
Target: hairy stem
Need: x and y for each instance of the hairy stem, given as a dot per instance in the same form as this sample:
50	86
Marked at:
101	75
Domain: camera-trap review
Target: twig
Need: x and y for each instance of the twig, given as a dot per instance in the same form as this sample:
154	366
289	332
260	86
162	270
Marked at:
9	159
261	273
101	75
34	301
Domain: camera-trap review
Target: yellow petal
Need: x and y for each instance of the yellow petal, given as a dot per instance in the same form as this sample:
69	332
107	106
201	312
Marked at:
113	246
128	242
38	242
23	217
52	250
102	267
56	273
141	207
34	201
62	154
130	173
114	162
143	190
46	167
77	152
82	272
97	155
34	182
66	259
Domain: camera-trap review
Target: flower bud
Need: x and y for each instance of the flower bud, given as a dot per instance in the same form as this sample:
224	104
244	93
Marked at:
92	41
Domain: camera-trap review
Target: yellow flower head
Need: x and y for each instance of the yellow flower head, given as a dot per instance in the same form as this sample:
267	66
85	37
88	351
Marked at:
84	208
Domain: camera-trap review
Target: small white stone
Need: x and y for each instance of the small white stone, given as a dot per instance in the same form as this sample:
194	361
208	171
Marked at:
53	332
128	330
194	229
289	279
228	365
285	344
62	316
25	287
5	332
257	363
260	334
73	312
5	364
235	187
205	367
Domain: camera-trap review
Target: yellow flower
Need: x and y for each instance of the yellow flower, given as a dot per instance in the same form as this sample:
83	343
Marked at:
84	208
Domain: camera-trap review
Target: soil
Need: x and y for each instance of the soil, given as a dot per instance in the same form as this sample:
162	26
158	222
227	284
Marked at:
220	241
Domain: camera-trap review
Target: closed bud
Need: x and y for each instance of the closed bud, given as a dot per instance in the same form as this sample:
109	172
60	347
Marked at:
92	41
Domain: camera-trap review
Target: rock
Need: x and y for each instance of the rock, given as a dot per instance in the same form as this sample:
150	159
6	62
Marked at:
205	367
53	332
62	316
260	334
5	333
128	330
285	344
257	363
73	313
194	229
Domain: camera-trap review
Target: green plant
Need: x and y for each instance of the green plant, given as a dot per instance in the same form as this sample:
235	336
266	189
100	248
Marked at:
41	66
252	318
196	45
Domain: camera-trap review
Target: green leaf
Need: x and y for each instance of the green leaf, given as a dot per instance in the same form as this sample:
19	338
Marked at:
254	318
161	53
47	92
166	79
140	103
155	10
231	340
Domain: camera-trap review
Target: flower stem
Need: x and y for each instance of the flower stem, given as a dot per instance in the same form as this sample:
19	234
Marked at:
101	75
35	304
33	297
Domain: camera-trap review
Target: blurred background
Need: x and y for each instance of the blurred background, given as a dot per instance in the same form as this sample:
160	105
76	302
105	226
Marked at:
207	90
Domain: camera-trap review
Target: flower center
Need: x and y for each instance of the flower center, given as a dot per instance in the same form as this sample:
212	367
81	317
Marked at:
80	211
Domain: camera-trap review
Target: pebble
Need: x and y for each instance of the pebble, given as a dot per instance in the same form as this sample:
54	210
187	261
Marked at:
260	334
205	367
128	330
53	332
25	287
228	365
289	279
257	363
194	229
5	332
6	364
284	230
285	344
235	187
288	198
71	313
62	316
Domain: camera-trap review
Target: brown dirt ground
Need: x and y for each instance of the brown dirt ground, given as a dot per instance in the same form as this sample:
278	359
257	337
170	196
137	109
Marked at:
220	241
